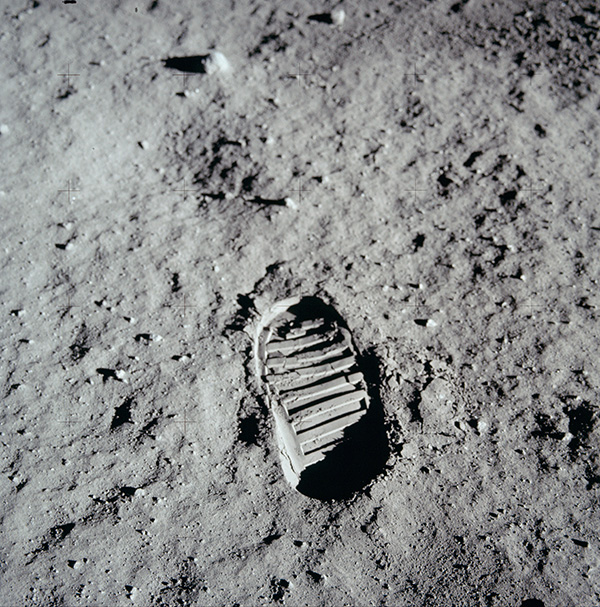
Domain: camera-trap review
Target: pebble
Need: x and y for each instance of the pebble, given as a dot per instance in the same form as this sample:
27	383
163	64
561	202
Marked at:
4	130
431	323
338	16
290	203
215	62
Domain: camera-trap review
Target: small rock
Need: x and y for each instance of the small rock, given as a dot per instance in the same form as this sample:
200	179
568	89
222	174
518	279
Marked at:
290	203
181	358
338	16
431	323
215	62
17	313
4	130
144	144
121	375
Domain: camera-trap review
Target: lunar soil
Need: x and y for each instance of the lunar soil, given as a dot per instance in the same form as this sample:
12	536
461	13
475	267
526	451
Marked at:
170	170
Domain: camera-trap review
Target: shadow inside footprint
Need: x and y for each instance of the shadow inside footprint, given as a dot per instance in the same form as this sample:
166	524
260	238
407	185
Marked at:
352	465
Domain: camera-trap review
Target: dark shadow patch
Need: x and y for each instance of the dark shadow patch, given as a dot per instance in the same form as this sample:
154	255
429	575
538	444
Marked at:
472	158
546	428
314	576
418	241
128	491
321	18
248	182
246	310
532	603
580	426
508	197
60	532
457	7
278	589
66	93
249	430
591	477
122	414
271	538
193	64
413	407
107	374
444	184
268	201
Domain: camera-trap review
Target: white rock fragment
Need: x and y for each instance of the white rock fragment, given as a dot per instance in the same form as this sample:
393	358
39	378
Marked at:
410	451
290	203
121	375
215	62
338	16
431	323
4	130
144	144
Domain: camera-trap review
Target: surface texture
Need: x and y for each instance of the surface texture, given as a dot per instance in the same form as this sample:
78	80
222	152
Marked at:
429	168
